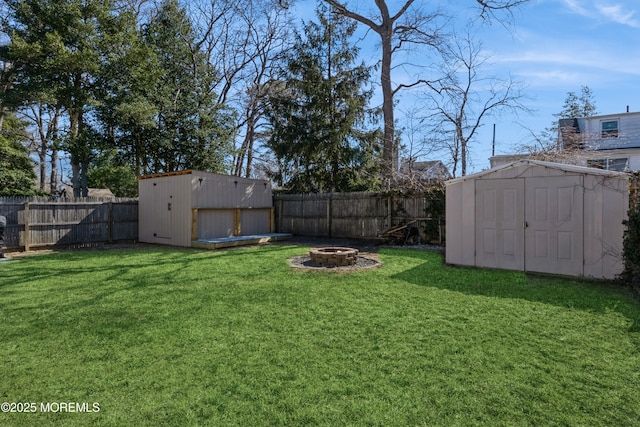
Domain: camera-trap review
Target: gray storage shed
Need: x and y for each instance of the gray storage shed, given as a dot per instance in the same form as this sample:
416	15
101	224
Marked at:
538	216
182	208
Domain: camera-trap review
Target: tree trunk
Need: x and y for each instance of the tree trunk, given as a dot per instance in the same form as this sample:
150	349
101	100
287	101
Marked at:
42	158
74	149
388	148
53	182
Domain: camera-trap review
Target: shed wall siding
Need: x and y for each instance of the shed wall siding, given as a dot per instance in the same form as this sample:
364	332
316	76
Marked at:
165	216
460	223
222	191
468	221
593	228
453	209
615	204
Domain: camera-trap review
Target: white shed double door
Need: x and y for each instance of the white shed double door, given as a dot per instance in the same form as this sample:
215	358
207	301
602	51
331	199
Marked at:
531	224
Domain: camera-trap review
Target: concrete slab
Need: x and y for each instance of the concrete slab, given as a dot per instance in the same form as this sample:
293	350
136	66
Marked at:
226	242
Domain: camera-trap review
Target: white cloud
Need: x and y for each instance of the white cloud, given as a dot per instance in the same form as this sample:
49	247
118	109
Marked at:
570	56
618	13
576	7
551	78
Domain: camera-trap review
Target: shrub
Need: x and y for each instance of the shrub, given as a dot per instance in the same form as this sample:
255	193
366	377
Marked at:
631	242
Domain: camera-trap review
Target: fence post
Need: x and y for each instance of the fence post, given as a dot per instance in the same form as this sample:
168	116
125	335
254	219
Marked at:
26	235
110	222
329	213
272	220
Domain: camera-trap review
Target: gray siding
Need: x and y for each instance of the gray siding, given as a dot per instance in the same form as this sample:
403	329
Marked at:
222	191
628	132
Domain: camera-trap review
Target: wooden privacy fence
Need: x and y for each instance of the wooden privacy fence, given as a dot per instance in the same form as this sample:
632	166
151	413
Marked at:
36	222
359	215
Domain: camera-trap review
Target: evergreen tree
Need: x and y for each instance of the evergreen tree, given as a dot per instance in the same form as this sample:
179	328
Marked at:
17	177
108	171
317	118
56	48
126	113
578	106
192	131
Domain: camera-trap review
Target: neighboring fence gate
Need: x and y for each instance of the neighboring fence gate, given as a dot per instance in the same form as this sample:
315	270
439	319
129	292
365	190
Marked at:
37	222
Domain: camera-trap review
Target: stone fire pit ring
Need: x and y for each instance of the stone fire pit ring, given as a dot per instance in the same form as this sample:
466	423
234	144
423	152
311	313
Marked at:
333	256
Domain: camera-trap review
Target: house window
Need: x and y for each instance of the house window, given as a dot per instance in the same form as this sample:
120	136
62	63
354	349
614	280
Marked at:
610	129
618	165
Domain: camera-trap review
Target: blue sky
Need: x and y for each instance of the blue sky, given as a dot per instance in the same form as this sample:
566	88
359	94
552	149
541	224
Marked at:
558	46
553	47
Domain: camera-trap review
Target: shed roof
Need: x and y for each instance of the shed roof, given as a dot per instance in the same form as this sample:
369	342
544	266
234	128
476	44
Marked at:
160	175
538	163
197	172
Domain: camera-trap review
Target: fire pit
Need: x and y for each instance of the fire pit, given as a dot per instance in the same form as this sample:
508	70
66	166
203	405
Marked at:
334	256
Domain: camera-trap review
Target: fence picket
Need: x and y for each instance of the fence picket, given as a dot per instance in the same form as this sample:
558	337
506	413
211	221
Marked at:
40	221
358	214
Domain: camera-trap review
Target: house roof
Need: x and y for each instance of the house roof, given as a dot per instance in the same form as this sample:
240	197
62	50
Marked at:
428	169
538	163
104	193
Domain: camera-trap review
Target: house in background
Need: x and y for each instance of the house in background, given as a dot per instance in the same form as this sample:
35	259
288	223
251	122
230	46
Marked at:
103	193
425	173
610	142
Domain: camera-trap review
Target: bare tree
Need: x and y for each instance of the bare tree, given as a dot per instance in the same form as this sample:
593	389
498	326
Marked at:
44	118
416	145
408	26
461	101
244	41
556	141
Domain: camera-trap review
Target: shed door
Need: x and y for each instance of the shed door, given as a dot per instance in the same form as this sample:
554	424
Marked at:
554	219
499	223
162	210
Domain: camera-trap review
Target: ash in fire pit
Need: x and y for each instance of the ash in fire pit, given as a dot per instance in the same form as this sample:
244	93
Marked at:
333	256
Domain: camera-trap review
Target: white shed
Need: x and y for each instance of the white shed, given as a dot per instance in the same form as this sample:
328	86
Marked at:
538	216
190	207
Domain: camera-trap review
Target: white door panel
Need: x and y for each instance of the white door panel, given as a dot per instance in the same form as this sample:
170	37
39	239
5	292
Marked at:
499	223
554	232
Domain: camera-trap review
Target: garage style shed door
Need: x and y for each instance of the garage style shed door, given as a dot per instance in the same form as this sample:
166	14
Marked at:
539	217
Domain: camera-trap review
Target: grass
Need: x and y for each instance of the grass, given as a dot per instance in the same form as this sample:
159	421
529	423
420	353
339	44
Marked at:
166	336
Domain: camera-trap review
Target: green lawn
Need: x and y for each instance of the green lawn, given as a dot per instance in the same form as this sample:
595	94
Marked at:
177	337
